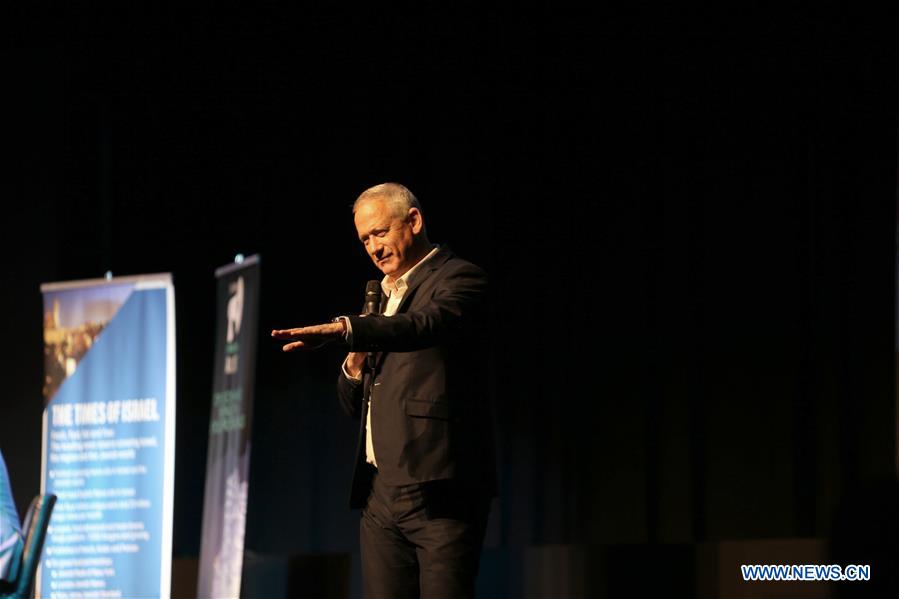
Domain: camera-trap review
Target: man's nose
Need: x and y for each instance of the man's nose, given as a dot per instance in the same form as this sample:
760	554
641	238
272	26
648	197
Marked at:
374	247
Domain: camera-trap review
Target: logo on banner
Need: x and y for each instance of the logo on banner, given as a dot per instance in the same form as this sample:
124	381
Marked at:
234	314
227	403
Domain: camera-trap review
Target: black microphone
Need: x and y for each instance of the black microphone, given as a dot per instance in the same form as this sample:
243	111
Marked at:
372	308
372	298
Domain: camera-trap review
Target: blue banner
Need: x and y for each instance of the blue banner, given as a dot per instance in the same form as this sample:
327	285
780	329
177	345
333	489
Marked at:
109	437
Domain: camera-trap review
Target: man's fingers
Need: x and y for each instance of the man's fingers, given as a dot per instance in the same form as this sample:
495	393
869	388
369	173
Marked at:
316	329
287	333
284	333
308	337
303	345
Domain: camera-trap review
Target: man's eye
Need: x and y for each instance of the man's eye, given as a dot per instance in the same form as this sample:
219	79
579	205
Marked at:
381	233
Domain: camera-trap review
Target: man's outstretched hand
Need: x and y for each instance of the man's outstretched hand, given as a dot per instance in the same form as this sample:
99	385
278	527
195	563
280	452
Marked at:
311	337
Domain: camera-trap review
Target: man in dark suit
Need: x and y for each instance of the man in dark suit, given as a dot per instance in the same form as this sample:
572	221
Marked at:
416	376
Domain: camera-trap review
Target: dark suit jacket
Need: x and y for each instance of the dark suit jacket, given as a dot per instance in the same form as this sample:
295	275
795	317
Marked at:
431	418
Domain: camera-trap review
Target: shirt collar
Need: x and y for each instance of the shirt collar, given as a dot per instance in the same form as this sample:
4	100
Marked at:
400	285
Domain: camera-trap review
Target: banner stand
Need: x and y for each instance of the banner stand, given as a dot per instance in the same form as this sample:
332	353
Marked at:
230	425
108	447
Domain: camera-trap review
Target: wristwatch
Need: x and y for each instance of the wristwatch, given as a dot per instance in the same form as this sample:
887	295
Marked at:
341	320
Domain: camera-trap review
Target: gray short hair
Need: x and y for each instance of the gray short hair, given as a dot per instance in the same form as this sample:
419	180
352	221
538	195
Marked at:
396	196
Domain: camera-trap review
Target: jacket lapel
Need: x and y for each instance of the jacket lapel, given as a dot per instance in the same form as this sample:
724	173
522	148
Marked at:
417	278
422	274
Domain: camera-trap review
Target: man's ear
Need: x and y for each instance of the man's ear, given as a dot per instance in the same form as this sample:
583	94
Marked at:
416	220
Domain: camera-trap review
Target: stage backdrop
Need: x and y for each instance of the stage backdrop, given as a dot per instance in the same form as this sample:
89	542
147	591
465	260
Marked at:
228	459
109	437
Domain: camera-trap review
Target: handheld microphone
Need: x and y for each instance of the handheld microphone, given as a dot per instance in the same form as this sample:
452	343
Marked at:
372	308
372	298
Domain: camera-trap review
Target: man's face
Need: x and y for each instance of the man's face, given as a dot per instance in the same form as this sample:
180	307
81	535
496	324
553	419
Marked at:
387	238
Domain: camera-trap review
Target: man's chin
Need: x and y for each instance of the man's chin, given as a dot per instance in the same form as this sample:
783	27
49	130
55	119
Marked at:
388	267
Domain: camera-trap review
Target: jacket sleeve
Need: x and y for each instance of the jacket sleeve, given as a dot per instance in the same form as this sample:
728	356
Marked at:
457	304
349	394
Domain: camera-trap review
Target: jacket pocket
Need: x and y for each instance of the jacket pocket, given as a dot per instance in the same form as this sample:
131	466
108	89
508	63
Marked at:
423	408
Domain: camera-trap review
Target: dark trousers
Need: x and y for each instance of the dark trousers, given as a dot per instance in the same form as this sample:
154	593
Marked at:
422	540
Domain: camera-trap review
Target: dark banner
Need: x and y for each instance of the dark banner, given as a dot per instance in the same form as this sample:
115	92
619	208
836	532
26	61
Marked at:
228	461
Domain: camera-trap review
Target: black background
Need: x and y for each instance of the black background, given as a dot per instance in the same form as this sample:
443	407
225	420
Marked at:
688	218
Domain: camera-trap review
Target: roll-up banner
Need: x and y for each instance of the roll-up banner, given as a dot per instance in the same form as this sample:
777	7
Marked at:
108	450
228	459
